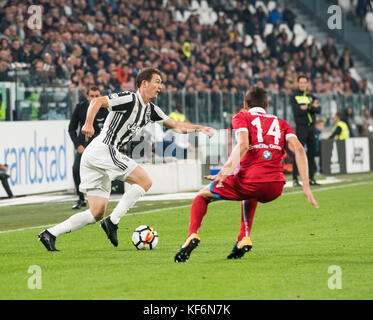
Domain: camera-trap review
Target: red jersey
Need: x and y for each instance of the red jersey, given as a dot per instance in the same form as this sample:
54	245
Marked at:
267	145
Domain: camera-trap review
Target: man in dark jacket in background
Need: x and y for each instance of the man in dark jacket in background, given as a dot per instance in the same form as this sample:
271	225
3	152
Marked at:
77	121
305	107
4	179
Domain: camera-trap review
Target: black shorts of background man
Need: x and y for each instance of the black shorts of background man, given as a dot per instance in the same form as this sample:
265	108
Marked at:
305	107
76	123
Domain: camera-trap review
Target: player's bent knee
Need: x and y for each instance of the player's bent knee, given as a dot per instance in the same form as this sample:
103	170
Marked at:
98	215
140	177
206	193
98	212
147	185
97	206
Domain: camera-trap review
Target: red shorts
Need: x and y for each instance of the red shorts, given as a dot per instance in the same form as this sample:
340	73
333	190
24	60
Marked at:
232	189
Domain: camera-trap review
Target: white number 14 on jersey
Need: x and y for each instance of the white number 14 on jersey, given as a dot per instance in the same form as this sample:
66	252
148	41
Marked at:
274	130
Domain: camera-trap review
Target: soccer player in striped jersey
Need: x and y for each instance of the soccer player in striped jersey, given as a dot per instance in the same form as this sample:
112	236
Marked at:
253	172
102	162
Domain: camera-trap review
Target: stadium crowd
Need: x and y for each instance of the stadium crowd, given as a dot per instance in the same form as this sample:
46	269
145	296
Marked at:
106	43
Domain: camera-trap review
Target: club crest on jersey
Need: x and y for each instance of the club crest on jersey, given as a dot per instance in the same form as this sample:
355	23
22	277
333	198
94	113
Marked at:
133	129
267	155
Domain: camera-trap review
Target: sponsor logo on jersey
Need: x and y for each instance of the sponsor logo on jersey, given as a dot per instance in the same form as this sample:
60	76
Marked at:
267	155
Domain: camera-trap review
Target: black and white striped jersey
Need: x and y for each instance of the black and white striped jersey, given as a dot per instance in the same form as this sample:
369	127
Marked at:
128	115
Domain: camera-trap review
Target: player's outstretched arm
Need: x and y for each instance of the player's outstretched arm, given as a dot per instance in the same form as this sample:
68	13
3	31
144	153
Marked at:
187	127
94	106
302	163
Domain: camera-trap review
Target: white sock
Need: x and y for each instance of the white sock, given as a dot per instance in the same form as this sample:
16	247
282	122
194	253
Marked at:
75	222
126	203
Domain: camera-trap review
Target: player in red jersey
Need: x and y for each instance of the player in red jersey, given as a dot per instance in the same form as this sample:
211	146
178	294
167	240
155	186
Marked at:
252	173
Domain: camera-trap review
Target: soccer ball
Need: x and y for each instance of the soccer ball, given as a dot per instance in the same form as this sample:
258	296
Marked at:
145	238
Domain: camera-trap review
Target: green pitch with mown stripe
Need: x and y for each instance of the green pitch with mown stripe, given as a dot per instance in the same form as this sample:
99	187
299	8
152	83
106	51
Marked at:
294	246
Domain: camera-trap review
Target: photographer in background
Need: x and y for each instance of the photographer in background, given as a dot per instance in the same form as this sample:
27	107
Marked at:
367	124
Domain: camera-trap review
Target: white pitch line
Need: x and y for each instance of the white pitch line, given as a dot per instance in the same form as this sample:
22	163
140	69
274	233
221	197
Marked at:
28	228
331	188
185	206
128	214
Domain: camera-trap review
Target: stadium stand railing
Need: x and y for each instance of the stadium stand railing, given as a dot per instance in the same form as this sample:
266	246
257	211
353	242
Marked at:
210	108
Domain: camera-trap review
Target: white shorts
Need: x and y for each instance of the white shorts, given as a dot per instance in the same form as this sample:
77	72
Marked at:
101	164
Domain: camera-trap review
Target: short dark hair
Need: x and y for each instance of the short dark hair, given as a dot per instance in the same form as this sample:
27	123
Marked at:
256	97
320	120
339	115
146	74
302	76
93	88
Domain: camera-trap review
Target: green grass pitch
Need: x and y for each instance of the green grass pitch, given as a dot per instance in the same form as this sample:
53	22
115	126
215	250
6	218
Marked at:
293	247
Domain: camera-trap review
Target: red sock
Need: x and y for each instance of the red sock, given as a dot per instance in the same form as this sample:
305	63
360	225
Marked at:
197	212
248	208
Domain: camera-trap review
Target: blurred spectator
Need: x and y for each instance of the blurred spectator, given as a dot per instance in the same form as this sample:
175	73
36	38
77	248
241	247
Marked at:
4	71
350	119
362	8
16	49
48	63
260	84
261	18
345	61
365	87
92	60
287	88
314	49
369	19
275	16
329	48
114	85
4	44
367	123
340	130
62	71
346	88
174	144
27	55
181	5
289	16
54	49
273	86
178	114
7	20
350	81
